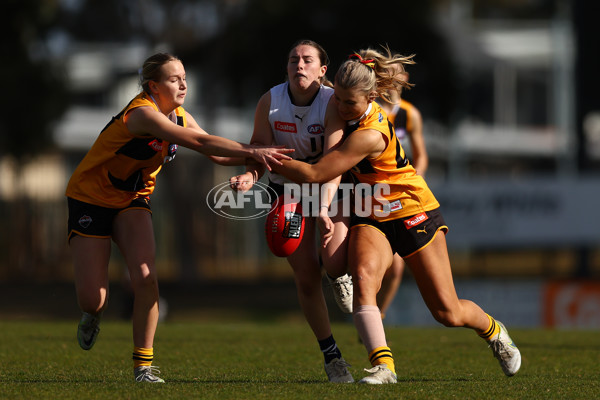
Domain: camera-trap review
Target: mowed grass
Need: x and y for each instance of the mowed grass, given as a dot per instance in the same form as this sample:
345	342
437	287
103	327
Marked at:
281	360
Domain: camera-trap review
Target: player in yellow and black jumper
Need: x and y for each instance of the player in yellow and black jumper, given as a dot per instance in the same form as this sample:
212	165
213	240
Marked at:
404	219
408	125
108	198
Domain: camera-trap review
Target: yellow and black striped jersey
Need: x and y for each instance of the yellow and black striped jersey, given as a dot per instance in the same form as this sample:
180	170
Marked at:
408	192
398	116
121	166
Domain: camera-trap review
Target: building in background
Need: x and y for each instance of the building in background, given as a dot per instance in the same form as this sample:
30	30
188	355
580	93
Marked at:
513	166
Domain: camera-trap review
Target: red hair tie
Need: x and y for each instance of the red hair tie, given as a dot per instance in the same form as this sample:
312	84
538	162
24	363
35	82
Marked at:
369	62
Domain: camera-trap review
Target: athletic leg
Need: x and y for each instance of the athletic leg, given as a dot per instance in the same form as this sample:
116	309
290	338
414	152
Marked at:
432	272
134	234
308	278
391	283
335	255
90	262
369	256
433	275
335	262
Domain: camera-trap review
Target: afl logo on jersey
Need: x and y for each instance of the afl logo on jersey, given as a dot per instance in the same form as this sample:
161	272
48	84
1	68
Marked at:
380	117
285	127
315	129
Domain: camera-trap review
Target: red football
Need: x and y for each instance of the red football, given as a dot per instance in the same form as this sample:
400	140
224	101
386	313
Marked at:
284	227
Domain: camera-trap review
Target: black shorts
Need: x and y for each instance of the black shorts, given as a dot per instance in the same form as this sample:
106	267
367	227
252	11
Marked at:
95	221
407	235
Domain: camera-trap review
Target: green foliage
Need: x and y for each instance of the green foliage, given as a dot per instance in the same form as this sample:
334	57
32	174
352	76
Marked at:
281	360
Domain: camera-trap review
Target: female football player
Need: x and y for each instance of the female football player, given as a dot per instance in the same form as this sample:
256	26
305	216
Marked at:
408	125
299	113
402	217
108	198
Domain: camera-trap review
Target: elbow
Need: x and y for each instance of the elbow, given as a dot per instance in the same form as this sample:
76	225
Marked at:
220	160
312	179
197	146
315	177
300	178
319	173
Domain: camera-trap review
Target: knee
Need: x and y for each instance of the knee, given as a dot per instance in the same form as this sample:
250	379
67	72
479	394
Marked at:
448	318
365	271
308	285
93	304
365	279
147	281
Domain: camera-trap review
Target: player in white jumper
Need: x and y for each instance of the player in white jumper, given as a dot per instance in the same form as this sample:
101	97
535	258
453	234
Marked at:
299	127
299	114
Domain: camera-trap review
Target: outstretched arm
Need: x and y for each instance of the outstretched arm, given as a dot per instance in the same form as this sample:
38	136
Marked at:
228	161
262	135
147	121
360	144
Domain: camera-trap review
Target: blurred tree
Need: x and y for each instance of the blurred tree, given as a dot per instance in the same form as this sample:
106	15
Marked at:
35	93
249	53
241	46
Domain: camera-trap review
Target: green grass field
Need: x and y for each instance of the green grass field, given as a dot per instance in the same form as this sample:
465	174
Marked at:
281	360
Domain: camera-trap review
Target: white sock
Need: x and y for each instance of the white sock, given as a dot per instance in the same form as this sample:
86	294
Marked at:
369	325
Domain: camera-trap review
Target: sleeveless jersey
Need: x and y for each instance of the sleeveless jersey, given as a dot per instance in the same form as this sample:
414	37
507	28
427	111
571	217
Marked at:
409	194
120	166
300	128
400	121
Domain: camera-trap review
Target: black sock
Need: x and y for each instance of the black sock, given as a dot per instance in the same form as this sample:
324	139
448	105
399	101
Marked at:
329	349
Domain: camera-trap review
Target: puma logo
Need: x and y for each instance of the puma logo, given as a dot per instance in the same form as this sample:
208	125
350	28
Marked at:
422	231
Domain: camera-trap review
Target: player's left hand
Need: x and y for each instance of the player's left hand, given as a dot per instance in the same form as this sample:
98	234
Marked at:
242	183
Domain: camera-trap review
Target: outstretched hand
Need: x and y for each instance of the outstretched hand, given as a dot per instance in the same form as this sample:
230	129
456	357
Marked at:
270	155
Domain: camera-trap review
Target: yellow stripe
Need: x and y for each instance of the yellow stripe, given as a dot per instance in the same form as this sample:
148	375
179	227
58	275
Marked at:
382	355
492	330
75	232
142	356
369	226
444	227
135	208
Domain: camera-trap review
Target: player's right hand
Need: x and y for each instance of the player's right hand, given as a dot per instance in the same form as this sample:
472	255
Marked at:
270	155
